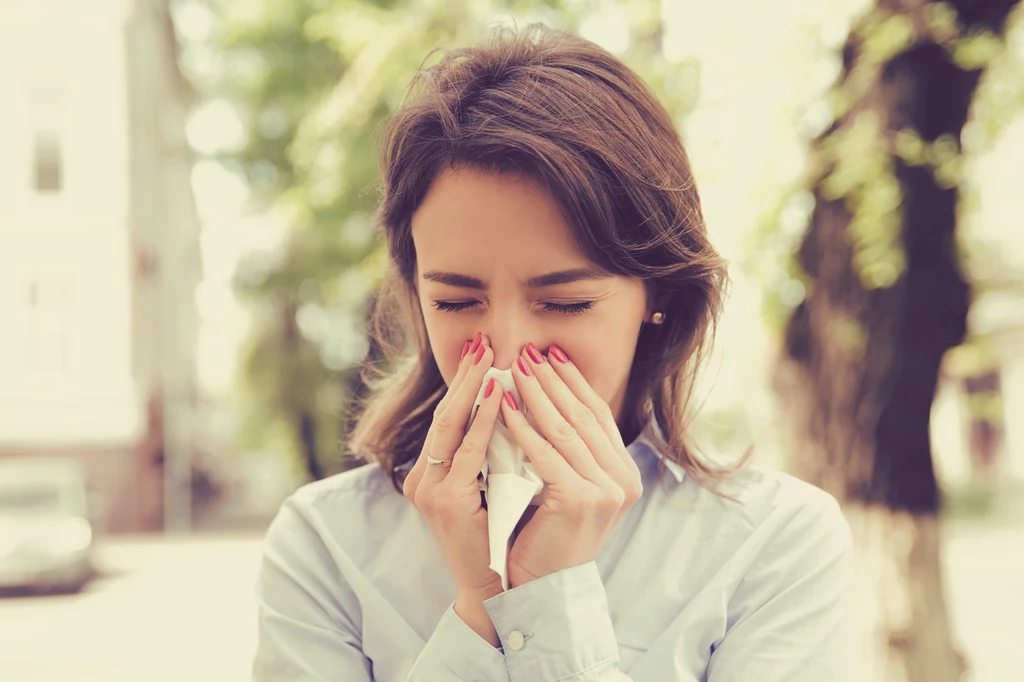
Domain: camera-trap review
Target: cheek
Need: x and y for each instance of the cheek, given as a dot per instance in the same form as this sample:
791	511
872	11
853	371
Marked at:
446	343
592	362
604	360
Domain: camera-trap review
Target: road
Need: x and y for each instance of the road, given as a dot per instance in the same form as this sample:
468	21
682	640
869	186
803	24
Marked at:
182	609
168	609
984	568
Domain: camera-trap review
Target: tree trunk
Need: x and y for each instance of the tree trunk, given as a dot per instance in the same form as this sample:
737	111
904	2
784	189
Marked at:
885	301
305	431
300	415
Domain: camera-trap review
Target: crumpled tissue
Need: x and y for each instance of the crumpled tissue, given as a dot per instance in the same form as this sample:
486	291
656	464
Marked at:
508	479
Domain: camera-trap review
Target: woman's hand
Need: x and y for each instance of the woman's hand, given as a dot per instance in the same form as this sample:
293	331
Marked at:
448	498
579	453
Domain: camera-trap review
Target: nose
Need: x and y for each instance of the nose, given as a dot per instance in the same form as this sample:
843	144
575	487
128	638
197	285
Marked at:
505	353
507	344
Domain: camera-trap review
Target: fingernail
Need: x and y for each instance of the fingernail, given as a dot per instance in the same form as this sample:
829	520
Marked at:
479	354
557	352
511	401
534	353
523	367
489	389
465	348
476	342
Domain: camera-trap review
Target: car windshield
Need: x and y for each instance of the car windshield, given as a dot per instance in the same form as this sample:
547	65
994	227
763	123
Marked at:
29	498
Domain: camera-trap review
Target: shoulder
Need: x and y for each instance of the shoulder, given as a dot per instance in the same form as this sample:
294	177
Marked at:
795	527
775	517
768	493
340	510
367	479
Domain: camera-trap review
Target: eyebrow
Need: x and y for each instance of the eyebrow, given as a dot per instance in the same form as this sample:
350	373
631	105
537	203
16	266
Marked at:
548	280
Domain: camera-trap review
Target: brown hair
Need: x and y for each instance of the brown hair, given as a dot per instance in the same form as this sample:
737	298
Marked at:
558	109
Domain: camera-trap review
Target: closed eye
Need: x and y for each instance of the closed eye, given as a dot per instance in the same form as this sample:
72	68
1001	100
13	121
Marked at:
564	309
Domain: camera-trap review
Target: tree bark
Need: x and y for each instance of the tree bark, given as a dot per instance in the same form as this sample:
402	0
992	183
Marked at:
862	352
301	417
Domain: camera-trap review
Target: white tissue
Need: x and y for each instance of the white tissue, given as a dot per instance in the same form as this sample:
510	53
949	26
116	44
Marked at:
508	479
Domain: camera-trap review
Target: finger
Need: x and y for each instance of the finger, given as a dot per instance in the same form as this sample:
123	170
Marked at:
626	474
555	428
450	427
415	475
582	416
469	459
412	480
549	463
581	388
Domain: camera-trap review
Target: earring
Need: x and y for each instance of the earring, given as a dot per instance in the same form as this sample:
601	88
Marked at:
656	318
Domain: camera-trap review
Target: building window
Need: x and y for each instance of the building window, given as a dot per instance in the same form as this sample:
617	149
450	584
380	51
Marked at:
48	99
48	163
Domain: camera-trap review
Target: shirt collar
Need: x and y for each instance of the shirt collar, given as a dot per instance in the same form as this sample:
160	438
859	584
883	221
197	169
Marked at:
654	438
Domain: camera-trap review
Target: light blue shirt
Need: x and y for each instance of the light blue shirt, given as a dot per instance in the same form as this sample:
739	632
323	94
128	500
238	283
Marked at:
689	586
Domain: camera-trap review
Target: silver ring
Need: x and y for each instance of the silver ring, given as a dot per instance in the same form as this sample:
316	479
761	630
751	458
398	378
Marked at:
440	462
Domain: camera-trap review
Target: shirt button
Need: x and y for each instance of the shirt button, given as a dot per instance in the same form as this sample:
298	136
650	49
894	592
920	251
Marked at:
515	640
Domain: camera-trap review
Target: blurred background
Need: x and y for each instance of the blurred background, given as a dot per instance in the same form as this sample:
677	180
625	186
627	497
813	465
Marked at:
187	262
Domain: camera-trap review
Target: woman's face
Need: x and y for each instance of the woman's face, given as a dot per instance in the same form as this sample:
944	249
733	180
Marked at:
480	240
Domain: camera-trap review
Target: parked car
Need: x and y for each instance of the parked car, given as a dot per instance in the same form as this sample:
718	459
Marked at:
46	537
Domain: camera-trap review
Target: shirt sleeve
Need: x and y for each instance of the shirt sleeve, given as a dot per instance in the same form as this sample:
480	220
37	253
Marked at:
456	652
558	628
309	626
790	617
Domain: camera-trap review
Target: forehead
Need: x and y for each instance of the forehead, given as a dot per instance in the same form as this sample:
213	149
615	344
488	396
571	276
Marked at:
474	218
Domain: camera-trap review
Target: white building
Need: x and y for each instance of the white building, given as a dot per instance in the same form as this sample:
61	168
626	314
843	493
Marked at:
98	246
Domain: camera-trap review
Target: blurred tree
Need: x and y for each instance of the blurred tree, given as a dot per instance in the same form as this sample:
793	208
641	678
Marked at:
315	79
885	299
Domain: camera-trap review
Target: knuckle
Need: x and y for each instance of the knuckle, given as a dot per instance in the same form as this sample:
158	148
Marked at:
605	501
564	431
603	414
614	499
443	424
425	500
473	443
581	414
633	489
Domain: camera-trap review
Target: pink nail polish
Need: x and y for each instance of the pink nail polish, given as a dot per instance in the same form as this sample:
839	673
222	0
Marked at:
557	352
479	354
523	367
476	342
511	402
465	349
490	388
534	353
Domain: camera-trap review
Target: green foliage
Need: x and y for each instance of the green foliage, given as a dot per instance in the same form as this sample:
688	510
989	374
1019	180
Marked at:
862	176
888	38
854	162
1000	95
977	50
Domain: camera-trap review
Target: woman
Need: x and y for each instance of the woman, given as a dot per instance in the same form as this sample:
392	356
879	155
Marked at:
541	215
